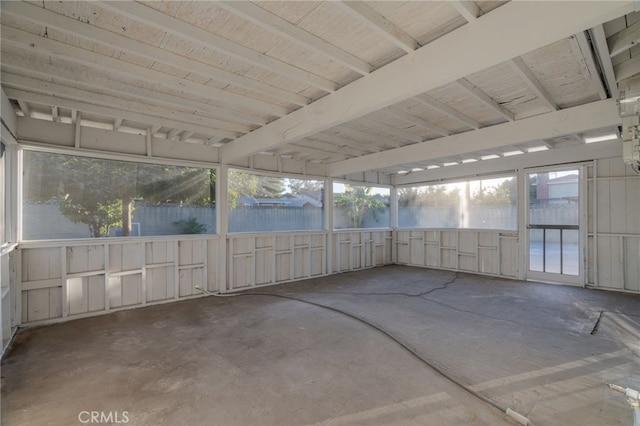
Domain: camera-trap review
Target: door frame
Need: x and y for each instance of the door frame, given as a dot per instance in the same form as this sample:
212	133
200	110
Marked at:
549	277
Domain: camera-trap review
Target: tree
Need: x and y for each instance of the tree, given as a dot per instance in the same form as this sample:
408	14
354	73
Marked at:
99	193
358	201
503	194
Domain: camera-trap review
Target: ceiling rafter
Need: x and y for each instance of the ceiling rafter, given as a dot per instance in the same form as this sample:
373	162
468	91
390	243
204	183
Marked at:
341	138
55	114
24	106
447	110
126	44
523	71
391	131
58	90
468	9
209	40
453	56
583	48
380	24
119	88
106	111
185	135
291	32
323	143
545	126
627	69
117	123
604	58
418	121
173	134
485	99
624	40
349	130
45	45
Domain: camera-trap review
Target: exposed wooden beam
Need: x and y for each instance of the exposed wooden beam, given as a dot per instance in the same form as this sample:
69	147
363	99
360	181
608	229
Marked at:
624	40
118	104
453	56
418	121
74	115
583	48
16	65
117	123
341	139
173	134
604	58
78	130
69	25
185	135
350	131
155	128
381	25
54	114
392	131
33	42
291	32
106	111
523	71
171	25
627	69
446	109
24	106
485	99
320	141
545	126
468	9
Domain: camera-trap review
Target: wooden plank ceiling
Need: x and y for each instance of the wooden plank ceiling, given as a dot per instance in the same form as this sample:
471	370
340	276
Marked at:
332	82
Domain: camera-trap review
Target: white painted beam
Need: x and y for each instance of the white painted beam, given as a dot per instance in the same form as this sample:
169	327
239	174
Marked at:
523	71
117	123
375	138
186	135
33	42
468	9
569	154
16	64
173	134
446	109
624	40
106	111
485	99
171	25
155	128
74	115
584	49
45	17
380	24
24	106
604	58
291	32
118	105
8	117
418	121
54	114
627	69
453	56
557	123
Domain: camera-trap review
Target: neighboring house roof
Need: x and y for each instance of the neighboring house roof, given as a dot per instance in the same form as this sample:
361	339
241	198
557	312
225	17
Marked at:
284	201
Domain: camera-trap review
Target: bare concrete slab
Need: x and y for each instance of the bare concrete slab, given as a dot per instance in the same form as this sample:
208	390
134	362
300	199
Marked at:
264	360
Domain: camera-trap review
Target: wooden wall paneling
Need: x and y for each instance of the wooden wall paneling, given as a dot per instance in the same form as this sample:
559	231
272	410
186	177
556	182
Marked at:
403	255
632	198
468	250
213	257
283	258
449	249
302	256
632	265
416	247
508	254
318	254
264	260
356	250
85	259
488	253
618	206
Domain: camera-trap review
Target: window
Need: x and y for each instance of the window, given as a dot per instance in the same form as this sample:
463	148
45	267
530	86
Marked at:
477	204
360	206
259	203
68	196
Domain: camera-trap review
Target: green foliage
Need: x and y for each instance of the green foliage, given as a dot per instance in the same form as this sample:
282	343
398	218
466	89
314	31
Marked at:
358	201
259	186
99	193
503	194
429	196
191	226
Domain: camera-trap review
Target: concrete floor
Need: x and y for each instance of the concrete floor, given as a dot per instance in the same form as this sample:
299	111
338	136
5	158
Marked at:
261	360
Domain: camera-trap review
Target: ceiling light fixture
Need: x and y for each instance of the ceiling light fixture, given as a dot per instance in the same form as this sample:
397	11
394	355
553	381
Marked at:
538	148
512	153
489	157
603	138
469	160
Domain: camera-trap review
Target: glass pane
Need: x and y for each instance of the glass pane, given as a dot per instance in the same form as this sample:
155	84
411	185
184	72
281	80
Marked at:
66	196
259	203
570	253
478	204
359	206
536	250
554	198
552	251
